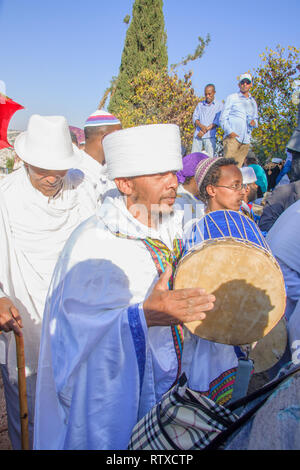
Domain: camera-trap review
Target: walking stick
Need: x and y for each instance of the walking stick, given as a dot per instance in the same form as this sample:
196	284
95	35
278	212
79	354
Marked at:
22	392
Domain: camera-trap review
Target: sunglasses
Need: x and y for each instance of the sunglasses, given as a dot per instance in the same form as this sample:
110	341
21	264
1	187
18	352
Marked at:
245	80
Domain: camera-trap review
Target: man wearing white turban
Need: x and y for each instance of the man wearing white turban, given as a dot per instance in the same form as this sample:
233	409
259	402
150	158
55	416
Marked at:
112	336
40	205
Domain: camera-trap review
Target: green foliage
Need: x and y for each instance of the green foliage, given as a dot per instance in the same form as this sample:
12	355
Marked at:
160	98
272	90
144	48
197	54
10	161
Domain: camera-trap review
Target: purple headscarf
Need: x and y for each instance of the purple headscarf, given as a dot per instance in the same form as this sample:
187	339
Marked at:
190	163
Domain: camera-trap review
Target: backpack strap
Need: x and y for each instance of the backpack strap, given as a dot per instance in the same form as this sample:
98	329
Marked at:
266	390
241	384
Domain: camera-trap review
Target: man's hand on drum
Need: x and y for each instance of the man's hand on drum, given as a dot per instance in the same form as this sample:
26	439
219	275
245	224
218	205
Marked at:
10	319
166	307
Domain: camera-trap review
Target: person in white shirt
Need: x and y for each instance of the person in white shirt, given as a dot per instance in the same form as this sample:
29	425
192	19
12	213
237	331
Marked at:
238	119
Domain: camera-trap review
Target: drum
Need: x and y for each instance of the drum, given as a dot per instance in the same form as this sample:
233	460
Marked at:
227	255
269	350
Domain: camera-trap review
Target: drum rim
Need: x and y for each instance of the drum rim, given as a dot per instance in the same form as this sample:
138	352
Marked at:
247	244
243	218
213	241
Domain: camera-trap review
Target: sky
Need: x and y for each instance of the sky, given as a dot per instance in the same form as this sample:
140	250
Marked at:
58	56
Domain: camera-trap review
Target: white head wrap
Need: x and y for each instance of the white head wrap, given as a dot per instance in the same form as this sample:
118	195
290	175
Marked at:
143	150
249	175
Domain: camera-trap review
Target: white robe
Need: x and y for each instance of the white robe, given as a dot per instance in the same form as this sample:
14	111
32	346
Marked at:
100	367
193	208
284	241
97	174
33	231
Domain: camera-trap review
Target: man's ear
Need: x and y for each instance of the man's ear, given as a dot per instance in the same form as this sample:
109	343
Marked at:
211	190
124	185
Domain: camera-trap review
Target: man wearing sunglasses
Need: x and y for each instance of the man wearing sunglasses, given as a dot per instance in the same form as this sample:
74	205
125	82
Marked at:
238	119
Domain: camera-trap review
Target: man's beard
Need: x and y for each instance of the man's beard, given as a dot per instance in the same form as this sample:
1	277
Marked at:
252	195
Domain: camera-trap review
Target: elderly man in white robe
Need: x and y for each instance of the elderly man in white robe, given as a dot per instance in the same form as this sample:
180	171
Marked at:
40	205
112	331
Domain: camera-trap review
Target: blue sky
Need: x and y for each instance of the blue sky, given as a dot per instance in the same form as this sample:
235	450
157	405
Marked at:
58	56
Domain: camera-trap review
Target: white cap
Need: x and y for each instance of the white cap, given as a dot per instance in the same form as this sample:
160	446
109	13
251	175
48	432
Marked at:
276	160
245	75
47	144
143	150
249	175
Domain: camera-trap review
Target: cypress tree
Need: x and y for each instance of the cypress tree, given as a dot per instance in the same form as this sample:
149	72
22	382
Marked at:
145	47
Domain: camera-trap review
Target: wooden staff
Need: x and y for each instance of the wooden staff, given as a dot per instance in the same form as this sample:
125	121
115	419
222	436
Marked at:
22	392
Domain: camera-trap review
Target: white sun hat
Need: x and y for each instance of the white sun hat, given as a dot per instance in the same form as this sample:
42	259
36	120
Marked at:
143	150
249	175
47	144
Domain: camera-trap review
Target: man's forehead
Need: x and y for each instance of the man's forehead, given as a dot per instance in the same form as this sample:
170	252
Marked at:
43	170
231	172
154	175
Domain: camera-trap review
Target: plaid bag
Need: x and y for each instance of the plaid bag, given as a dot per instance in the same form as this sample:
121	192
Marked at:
188	420
184	420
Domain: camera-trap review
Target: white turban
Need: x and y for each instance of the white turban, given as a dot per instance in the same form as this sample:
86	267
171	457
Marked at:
143	150
249	175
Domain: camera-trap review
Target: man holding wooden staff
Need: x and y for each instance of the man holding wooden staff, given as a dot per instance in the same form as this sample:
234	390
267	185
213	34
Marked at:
40	205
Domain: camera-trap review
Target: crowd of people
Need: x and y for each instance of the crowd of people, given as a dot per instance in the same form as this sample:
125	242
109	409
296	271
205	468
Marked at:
91	236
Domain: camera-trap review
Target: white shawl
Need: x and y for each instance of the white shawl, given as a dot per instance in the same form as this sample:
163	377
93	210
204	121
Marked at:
90	388
34	229
284	237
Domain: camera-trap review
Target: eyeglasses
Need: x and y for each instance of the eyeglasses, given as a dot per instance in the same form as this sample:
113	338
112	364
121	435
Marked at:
235	187
245	80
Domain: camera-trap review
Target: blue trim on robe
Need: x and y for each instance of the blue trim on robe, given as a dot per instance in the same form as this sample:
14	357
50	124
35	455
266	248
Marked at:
138	337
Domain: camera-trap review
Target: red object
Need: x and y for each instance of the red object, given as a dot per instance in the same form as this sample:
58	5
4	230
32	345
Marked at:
7	109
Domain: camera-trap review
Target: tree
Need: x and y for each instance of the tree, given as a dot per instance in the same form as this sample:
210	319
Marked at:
144	48
272	90
161	98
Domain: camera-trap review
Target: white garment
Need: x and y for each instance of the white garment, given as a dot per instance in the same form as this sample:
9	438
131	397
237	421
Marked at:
284	180
92	386
283	237
97	173
294	331
284	241
205	145
193	208
34	229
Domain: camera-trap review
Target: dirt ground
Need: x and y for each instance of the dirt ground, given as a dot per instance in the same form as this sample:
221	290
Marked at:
4	439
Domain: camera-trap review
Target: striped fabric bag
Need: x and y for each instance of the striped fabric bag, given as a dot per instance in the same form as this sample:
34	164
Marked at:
188	420
183	420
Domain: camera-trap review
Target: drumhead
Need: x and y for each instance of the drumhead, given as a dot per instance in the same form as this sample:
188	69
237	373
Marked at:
248	286
270	349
